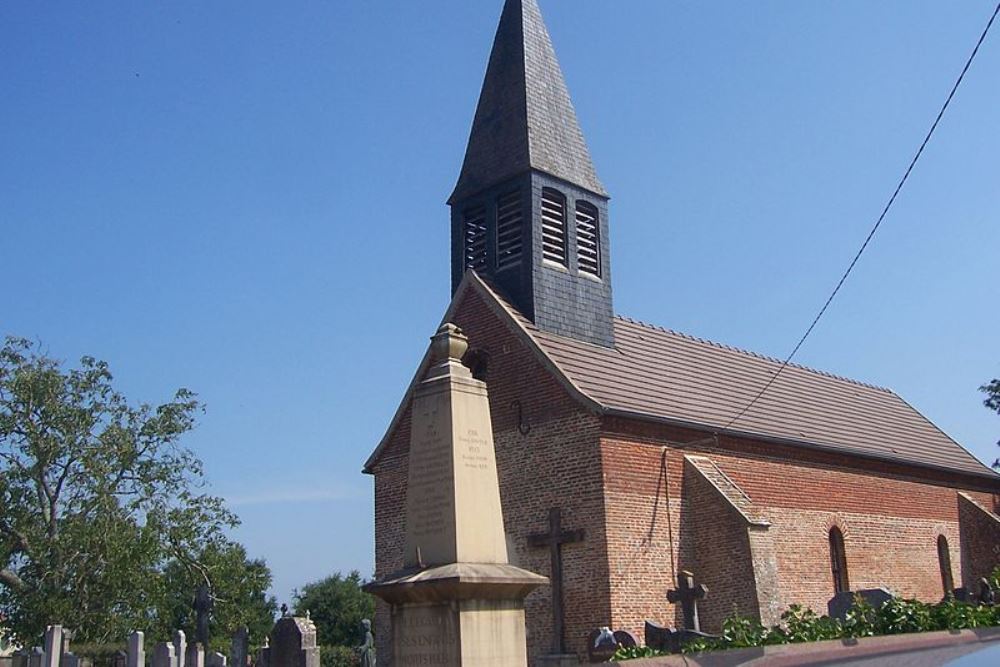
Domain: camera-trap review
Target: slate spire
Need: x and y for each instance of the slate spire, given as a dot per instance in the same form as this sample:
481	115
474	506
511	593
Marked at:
525	119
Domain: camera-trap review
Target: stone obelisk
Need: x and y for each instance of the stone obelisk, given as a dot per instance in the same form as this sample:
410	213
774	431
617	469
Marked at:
458	601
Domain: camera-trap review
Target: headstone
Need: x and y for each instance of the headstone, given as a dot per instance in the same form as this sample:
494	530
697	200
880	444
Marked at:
69	660
841	603
987	595
195	655
240	651
671	640
264	654
687	594
215	659
119	659
180	648
20	658
458	601
137	649
293	643
554	539
37	657
53	646
163	655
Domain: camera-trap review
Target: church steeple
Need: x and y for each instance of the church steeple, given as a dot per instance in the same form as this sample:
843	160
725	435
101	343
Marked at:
529	211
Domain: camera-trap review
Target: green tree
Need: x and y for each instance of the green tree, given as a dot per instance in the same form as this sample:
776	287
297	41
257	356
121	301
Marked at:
336	605
239	594
97	496
992	401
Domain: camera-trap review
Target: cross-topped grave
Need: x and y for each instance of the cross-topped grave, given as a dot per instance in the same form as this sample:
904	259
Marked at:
554	539
687	594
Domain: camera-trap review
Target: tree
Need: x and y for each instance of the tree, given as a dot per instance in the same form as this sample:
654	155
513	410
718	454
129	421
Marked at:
239	595
336	605
992	401
97	496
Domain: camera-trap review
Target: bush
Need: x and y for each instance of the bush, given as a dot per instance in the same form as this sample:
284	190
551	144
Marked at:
337	656
896	616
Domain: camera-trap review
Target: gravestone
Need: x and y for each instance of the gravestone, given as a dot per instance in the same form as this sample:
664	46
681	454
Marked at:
37	657
119	659
687	594
215	659
203	605
240	651
163	655
841	603
458	601
20	658
137	649
264	654
987	595
553	540
180	648
195	655
601	645
293	643
671	640
53	646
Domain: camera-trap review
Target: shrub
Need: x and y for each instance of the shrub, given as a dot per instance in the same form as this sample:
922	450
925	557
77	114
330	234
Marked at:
897	616
337	656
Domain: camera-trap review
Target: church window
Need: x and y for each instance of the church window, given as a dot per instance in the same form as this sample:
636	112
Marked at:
588	248
944	560
838	561
510	219
553	226
474	229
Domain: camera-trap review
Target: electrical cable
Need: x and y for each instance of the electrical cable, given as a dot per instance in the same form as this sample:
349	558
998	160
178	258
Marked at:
878	223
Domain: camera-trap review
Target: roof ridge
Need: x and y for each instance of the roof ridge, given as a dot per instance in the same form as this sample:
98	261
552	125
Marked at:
751	353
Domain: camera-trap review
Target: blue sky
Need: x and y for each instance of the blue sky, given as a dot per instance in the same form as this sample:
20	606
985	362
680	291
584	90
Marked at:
247	199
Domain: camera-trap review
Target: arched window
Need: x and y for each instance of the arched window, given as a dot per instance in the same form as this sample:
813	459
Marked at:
838	561
509	222
588	239
944	560
474	232
553	226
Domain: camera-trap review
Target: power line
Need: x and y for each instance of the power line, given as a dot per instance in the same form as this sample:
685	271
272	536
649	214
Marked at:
878	223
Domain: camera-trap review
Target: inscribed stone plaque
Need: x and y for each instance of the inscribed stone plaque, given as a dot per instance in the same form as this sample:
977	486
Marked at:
426	635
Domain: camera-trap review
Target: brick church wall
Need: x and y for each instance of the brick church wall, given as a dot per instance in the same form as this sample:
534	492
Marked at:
555	464
980	530
891	517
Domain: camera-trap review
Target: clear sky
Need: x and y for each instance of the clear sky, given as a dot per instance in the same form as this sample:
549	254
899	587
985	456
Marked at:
247	199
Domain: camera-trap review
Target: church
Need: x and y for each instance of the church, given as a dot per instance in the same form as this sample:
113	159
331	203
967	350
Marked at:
623	449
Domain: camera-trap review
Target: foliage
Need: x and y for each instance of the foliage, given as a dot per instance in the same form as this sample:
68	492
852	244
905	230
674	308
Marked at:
338	656
633	652
336	605
239	592
896	616
992	401
98	496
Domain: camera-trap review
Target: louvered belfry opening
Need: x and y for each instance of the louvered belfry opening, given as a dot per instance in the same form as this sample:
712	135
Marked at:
588	235
510	223
474	229
553	226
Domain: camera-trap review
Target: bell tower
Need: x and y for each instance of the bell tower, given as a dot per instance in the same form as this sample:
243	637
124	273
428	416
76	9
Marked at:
529	212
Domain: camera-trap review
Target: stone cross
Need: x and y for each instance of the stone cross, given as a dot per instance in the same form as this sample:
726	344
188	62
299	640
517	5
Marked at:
136	650
180	648
554	539
203	604
241	647
688	594
163	655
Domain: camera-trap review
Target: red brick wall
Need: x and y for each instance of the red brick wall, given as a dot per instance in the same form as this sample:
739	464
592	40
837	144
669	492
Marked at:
890	516
980	532
556	464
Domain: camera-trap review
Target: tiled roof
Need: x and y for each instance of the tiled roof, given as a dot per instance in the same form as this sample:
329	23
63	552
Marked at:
525	118
665	375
